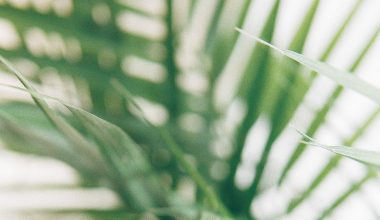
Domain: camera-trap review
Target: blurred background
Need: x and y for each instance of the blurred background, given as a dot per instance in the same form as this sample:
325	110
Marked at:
70	47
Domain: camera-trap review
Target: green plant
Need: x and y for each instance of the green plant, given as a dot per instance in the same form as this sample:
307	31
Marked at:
108	135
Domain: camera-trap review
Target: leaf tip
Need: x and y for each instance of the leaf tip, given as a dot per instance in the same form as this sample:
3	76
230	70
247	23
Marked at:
259	40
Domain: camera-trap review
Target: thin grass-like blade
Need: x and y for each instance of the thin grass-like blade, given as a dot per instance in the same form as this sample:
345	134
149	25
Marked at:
341	77
320	116
348	80
364	156
325	56
333	162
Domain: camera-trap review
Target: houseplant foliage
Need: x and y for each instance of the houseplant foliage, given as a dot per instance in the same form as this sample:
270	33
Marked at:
115	72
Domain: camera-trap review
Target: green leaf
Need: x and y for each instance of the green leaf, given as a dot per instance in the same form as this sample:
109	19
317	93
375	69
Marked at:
28	137
346	194
212	30
131	168
347	80
205	215
363	156
124	160
340	77
84	147
283	109
299	93
319	117
343	78
333	162
177	152
171	67
341	30
222	46
252	90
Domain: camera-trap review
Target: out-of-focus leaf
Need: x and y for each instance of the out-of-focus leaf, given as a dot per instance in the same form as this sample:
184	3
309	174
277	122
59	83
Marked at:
205	215
177	152
70	133
283	109
224	42
32	139
171	68
212	30
105	145
126	160
346	194
252	90
341	30
28	113
105	134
